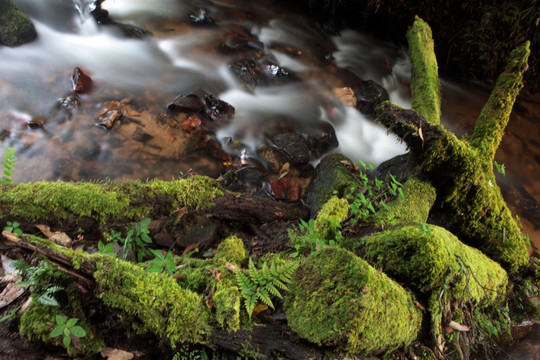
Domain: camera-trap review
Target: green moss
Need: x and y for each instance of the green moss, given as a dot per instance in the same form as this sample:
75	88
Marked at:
413	207
425	255
128	200
425	85
227	302
495	115
15	27
38	320
472	202
337	298
163	307
231	250
332	177
329	219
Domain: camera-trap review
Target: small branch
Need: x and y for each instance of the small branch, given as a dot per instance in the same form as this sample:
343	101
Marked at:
495	115
425	85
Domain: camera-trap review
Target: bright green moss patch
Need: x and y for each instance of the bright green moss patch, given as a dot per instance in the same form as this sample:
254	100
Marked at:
337	298
329	219
425	256
413	207
163	307
231	250
107	201
425	85
495	115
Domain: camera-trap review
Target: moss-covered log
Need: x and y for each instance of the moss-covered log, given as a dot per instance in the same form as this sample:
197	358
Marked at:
469	202
337	298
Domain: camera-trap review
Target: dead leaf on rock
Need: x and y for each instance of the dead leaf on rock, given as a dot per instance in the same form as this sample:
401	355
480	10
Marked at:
58	237
116	354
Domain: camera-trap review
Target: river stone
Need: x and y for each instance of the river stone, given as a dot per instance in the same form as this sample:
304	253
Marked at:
369	96
218	110
293	145
15	27
337	298
331	174
322	140
190	104
201	17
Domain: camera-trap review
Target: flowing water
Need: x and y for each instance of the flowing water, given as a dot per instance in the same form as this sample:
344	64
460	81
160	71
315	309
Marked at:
144	75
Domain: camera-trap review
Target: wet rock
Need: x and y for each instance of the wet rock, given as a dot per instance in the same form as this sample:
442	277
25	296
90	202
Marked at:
4	134
218	110
322	140
163	239
249	176
109	115
276	74
234	147
100	15
240	42
70	102
201	17
190	104
286	188
247	72
15	27
293	145
81	81
331	174
140	135
36	123
528	348
130	31
369	96
399	166
273	158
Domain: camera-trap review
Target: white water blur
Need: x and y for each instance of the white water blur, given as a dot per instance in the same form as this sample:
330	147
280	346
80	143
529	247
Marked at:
180	60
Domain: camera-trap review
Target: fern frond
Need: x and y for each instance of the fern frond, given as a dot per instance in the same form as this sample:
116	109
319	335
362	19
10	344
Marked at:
264	283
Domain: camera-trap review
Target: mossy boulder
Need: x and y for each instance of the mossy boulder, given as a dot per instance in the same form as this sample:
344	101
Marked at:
337	298
413	207
332	174
425	256
15	27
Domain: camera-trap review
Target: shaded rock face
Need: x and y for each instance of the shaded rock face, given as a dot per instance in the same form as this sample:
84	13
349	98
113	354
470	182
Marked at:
15	27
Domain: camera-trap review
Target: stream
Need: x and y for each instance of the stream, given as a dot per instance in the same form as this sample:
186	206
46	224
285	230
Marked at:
54	130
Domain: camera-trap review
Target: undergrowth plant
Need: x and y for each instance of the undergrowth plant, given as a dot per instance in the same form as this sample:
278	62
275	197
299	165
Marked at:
162	263
264	283
68	328
372	195
45	292
306	239
13	227
136	240
9	161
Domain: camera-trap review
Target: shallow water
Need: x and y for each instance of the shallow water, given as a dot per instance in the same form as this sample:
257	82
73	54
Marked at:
178	59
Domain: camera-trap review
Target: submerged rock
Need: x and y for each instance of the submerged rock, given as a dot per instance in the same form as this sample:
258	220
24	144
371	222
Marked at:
322	140
201	17
81	81
15	27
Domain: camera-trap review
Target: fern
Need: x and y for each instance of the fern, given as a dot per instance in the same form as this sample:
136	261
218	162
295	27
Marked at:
260	285
8	163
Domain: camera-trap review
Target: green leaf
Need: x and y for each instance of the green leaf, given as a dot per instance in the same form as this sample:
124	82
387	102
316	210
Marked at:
57	331
48	300
67	341
71	322
61	320
78	331
155	269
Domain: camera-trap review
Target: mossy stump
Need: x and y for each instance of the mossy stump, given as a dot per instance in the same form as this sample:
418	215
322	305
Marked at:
336	298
